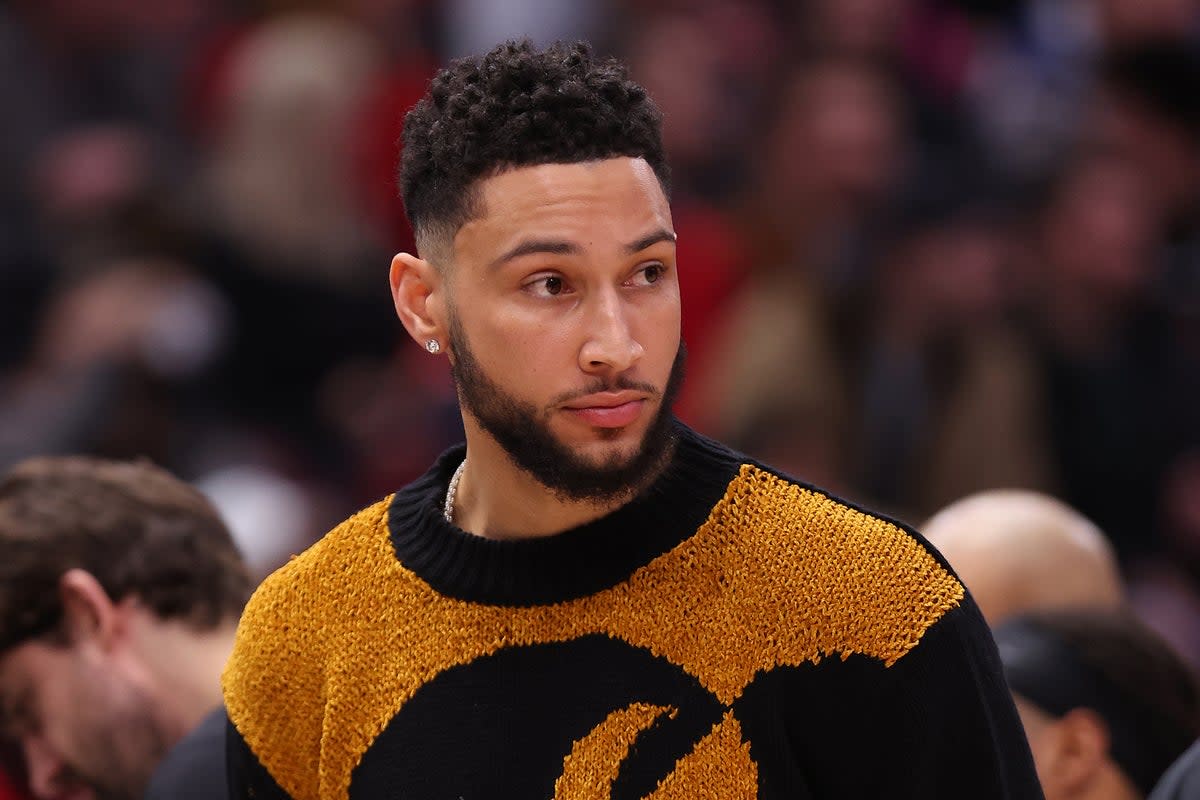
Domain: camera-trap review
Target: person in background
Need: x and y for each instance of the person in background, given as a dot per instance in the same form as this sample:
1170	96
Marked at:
1107	705
1019	551
1115	398
120	589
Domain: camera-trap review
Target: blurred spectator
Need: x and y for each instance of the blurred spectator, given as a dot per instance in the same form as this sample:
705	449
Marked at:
282	158
1019	552
1106	704
827	162
115	348
90	92
1115	420
1125	22
287	240
948	401
1149	110
1031	71
863	28
121	590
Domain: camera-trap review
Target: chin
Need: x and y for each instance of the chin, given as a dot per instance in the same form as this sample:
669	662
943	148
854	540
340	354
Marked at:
607	442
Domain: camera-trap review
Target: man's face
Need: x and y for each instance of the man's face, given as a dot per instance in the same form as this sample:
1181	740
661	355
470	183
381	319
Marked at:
85	729
563	305
1038	731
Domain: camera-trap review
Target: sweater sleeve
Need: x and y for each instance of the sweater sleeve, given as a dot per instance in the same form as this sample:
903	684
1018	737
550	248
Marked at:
939	723
248	779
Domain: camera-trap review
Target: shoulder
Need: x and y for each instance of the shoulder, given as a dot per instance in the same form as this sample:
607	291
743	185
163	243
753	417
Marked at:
1182	780
313	584
280	635
275	679
873	583
195	767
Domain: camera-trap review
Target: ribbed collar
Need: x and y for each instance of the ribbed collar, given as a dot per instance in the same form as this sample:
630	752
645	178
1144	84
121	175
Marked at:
568	565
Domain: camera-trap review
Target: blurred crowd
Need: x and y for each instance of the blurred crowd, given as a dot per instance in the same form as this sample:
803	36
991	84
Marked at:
927	247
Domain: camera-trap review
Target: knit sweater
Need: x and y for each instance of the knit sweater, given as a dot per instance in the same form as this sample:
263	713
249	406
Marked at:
729	633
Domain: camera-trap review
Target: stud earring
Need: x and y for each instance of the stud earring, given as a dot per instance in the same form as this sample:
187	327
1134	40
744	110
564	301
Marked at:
433	346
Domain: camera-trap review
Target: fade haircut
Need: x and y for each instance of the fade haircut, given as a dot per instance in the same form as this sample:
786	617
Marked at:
516	107
140	531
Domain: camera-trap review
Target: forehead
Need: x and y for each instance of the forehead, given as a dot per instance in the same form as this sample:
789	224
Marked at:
22	669
22	663
594	203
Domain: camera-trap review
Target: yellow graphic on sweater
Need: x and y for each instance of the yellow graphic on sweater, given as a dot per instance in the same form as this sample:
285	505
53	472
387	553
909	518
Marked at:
777	576
596	759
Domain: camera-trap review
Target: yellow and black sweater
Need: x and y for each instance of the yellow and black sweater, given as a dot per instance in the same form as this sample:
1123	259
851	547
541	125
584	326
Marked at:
728	634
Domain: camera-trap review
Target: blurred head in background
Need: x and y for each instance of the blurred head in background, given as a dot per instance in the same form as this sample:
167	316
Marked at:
282	168
120	590
685	80
1107	706
1019	551
1148	108
1129	21
831	153
1099	232
857	27
117	342
838	133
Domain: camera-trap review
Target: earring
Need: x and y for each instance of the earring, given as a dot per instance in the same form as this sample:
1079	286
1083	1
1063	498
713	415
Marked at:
433	346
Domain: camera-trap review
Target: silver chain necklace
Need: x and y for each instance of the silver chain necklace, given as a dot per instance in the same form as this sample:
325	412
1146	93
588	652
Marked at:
451	491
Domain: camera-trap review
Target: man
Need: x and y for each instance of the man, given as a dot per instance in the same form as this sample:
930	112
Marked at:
589	599
1020	551
120	590
1106	704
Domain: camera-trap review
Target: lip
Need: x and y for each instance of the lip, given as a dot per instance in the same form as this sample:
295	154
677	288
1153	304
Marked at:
607	409
604	400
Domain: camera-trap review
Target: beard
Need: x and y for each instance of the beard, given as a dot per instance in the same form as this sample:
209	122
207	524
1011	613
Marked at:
117	766
523	431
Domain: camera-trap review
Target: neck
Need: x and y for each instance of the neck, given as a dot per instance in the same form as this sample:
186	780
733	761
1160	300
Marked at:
1110	783
184	666
496	499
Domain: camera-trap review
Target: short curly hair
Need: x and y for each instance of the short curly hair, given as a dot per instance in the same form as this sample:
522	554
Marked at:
518	106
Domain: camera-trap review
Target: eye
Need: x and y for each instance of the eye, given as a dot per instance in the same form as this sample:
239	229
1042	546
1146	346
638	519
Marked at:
546	286
651	273
18	719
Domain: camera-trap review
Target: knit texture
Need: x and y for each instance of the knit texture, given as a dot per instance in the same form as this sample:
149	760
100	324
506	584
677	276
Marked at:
399	657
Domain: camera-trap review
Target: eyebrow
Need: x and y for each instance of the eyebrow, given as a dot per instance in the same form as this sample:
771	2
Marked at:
532	246
557	247
651	239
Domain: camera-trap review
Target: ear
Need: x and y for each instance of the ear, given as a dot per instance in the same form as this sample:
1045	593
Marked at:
417	295
1080	751
89	614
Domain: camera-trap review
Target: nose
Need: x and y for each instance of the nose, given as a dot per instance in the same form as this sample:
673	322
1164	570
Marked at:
45	769
610	345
